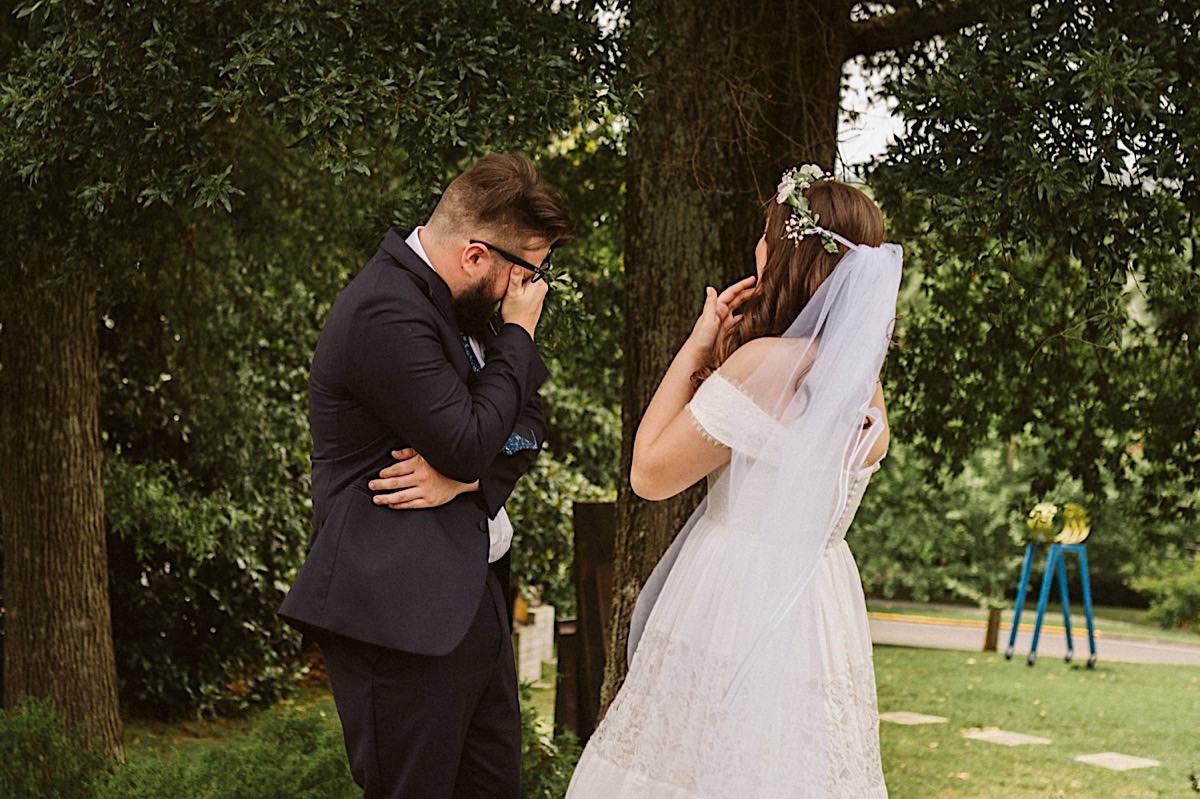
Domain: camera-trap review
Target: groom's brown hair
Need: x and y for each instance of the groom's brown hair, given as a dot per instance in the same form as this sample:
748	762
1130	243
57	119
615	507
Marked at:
504	197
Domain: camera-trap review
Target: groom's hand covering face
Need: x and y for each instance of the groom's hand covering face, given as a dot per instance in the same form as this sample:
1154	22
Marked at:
523	299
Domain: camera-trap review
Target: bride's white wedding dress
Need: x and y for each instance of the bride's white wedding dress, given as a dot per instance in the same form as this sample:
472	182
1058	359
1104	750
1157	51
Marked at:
723	702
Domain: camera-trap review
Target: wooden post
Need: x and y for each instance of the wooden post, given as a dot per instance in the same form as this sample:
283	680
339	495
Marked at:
581	644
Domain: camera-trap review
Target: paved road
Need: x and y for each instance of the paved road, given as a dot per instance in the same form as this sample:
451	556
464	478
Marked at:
904	630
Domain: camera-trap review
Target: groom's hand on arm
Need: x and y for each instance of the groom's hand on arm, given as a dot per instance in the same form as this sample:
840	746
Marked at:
414	483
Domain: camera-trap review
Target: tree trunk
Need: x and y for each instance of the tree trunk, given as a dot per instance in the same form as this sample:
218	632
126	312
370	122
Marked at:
736	91
57	625
991	638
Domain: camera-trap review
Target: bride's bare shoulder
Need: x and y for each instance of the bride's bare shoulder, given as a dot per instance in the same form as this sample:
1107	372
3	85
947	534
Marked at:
754	354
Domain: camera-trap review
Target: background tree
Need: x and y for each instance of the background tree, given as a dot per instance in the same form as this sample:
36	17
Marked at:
1047	186
123	126
734	93
1048	172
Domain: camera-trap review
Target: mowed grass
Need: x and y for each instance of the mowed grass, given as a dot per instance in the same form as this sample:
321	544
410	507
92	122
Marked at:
1148	711
1135	709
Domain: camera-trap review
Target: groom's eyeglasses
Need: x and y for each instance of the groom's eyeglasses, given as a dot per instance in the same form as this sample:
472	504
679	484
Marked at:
539	272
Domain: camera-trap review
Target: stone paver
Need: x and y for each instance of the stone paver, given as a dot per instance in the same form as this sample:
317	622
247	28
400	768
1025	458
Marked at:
1117	761
905	717
1004	737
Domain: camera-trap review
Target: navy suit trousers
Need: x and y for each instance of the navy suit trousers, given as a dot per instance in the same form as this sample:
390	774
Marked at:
425	727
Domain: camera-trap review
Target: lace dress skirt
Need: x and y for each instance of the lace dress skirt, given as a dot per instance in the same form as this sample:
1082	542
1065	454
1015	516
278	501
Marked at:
699	719
807	726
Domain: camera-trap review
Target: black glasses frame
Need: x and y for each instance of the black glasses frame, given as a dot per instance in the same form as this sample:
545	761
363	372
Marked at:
539	272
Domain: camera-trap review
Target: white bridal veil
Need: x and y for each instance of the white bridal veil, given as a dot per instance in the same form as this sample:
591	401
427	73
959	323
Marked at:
785	492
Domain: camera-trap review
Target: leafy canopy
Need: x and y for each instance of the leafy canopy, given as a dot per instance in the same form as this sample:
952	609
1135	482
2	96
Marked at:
1047	188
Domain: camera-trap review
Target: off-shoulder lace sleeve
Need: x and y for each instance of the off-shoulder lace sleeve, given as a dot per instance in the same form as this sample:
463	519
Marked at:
728	416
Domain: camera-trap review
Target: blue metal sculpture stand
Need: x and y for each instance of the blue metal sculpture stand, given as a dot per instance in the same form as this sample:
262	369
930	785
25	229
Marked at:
1055	566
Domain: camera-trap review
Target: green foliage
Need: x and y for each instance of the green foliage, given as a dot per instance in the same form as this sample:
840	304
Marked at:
148	507
205	379
1174	588
584	329
1045	191
1046	185
41	759
110	108
292	754
543	534
963	537
547	762
960	541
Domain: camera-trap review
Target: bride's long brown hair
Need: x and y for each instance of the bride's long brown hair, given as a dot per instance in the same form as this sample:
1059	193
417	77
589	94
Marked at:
793	272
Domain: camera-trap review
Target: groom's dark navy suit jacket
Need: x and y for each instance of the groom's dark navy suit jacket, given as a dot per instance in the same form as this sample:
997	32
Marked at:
390	371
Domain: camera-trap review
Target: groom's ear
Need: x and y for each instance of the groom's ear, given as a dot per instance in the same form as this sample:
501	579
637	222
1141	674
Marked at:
475	261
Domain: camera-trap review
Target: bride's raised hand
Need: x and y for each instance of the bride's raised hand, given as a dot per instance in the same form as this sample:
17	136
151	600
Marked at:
732	298
717	315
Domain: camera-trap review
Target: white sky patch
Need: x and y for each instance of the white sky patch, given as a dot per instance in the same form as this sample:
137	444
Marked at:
875	125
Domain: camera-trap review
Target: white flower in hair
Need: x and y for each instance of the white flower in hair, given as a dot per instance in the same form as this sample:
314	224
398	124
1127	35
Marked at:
811	172
803	221
787	185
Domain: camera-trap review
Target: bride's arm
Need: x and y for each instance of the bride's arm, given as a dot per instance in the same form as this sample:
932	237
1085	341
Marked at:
669	451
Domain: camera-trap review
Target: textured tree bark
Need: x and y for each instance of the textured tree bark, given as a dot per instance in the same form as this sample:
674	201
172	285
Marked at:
991	638
57	624
736	91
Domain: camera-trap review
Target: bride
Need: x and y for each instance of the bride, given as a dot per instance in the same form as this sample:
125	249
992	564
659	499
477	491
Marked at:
750	669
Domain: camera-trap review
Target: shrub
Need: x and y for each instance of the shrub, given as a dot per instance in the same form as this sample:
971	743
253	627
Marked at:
546	761
541	508
40	758
1174	588
291	754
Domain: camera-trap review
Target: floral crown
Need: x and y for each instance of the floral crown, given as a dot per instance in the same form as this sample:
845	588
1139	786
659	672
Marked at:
803	221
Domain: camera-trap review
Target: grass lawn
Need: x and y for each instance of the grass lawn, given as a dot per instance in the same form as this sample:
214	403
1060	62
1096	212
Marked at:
1134	709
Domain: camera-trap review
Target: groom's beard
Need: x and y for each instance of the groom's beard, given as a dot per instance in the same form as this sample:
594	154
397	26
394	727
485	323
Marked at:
475	308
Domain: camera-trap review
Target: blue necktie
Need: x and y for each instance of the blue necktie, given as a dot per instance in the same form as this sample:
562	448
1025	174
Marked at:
515	442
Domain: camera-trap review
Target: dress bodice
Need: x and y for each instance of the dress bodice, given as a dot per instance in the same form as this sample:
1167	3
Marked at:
854	494
727	415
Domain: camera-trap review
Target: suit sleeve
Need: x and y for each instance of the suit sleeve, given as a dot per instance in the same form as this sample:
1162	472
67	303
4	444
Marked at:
400	371
497	483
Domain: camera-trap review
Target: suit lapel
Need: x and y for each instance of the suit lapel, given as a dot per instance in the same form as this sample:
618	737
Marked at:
394	244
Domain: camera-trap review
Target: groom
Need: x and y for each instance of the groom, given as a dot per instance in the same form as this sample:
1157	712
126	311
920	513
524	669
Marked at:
424	414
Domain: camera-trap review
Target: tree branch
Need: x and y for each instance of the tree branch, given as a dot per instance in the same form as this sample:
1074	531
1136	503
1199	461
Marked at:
911	24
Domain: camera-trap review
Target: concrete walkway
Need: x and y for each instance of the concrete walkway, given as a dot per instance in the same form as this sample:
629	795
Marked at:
914	630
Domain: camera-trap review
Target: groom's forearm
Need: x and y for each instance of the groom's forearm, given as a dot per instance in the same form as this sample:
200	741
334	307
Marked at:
497	483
